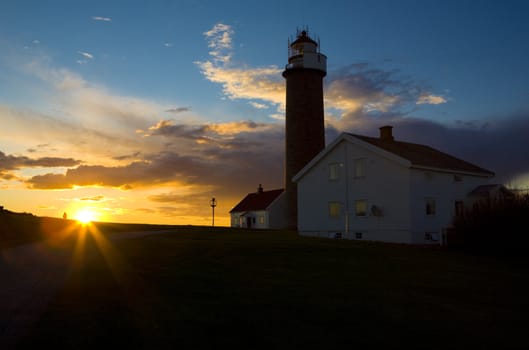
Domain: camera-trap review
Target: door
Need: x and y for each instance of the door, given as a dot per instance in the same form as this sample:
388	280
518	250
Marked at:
248	222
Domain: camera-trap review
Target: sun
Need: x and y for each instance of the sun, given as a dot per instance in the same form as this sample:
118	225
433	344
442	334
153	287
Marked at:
85	216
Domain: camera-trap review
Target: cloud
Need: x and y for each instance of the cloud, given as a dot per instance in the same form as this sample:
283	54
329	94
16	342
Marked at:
360	95
257	105
498	143
217	155
98	198
265	84
430	99
11	162
239	82
134	155
93	105
86	54
220	41
228	135
103	19
39	147
157	170
178	110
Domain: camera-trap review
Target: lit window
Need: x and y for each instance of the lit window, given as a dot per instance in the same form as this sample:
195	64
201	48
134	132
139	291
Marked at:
334	209
361	207
334	171
261	219
430	206
360	167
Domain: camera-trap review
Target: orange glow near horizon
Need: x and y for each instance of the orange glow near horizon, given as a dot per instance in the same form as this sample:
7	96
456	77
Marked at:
85	216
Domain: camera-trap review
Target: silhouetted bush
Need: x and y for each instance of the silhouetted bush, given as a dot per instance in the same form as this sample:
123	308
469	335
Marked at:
494	227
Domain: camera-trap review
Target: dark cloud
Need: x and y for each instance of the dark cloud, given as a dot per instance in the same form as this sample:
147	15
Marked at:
169	128
500	145
369	98
360	89
134	155
253	155
97	175
11	162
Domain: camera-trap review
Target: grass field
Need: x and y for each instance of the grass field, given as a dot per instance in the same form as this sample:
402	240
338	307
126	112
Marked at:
218	287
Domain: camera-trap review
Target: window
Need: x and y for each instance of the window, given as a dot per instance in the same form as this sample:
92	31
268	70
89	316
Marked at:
334	171
261	219
361	207
359	167
430	206
358	235
458	178
334	209
431	236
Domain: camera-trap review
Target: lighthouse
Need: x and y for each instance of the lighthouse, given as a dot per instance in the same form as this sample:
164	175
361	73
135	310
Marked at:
304	123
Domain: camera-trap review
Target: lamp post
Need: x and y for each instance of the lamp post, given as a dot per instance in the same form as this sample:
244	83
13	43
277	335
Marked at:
213	204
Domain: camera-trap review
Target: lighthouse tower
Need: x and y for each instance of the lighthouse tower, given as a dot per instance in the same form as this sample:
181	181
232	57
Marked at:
305	131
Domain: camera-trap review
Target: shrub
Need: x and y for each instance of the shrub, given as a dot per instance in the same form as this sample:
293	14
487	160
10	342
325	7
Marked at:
494	227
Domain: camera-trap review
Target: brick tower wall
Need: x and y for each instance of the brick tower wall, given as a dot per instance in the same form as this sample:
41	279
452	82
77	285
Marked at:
305	129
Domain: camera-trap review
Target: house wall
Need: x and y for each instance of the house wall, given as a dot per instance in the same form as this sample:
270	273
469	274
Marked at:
391	194
234	219
445	191
258	219
392	185
277	213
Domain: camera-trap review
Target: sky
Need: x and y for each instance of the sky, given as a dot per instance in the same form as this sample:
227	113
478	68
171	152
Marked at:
142	111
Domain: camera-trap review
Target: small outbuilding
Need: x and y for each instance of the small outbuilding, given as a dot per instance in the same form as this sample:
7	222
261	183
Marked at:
260	210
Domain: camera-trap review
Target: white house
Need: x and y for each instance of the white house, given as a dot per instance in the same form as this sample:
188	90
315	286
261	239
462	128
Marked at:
381	189
262	209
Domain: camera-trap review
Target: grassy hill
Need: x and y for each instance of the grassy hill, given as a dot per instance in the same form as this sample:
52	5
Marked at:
219	287
22	228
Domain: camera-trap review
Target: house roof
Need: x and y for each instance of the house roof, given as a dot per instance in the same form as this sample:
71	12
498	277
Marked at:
259	200
415	155
424	156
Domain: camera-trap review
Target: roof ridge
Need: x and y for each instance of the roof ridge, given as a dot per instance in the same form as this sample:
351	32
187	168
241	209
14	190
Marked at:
423	155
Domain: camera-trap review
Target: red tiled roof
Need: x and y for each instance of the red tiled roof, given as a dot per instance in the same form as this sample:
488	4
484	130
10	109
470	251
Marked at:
421	155
257	201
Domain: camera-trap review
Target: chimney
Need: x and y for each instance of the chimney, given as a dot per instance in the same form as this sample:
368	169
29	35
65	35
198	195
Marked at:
386	133
260	189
